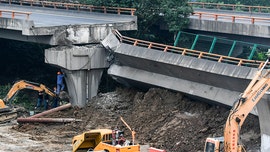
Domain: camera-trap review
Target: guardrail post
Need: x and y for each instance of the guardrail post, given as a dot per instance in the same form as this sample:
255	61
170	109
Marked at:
105	10
252	20
233	19
200	15
27	16
232	48
195	41
177	38
252	52
216	17
132	12
12	15
212	45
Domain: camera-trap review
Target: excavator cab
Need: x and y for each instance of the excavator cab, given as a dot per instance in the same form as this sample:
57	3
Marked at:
214	144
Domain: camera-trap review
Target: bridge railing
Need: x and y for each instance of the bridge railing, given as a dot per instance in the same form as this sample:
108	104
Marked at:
73	6
189	52
233	7
14	13
232	18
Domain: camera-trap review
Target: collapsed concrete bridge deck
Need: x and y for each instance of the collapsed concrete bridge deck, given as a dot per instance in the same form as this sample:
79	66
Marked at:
217	82
211	80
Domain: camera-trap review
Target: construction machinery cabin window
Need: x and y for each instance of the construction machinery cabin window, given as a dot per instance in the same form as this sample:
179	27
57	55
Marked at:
107	138
209	147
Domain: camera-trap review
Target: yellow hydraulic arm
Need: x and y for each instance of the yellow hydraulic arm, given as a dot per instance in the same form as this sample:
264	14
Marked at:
132	131
242	107
22	84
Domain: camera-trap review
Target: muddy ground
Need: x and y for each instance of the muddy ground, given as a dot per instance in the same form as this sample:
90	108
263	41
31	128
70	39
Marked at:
161	118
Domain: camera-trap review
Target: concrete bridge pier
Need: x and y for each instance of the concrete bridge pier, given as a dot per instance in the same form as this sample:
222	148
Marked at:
82	85
83	67
264	116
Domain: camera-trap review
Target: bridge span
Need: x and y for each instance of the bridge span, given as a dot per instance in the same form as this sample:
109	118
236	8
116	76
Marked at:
213	77
231	21
65	25
132	61
61	26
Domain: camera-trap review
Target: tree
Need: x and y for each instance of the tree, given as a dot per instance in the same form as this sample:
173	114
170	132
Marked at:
151	13
243	2
176	14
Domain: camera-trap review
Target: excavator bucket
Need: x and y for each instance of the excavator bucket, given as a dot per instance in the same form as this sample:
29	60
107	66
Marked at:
2	104
7	114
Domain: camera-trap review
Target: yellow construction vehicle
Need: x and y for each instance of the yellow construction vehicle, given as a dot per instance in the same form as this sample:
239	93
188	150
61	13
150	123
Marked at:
104	140
240	110
8	112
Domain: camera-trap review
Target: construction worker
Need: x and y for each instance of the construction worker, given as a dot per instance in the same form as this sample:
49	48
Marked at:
60	82
40	99
113	137
46	101
55	99
122	139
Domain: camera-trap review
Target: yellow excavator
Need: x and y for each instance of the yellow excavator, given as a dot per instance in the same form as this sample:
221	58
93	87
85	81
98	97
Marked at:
240	110
8	113
104	140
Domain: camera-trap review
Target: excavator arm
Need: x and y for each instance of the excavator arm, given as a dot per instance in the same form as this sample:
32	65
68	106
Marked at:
251	96
132	131
22	84
239	112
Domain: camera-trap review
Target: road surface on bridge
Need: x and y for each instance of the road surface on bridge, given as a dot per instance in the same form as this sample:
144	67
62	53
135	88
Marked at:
46	17
260	18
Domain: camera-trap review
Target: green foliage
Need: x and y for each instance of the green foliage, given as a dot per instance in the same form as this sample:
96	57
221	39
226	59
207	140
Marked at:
260	54
4	90
151	15
24	98
111	3
22	60
243	2
176	14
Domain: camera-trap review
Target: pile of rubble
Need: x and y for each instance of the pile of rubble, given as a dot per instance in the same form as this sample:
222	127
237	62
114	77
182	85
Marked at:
161	118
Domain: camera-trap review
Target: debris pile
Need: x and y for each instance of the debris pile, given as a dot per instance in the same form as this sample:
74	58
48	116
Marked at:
161	118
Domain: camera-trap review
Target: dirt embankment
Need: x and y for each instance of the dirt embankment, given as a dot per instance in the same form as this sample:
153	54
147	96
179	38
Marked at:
161	118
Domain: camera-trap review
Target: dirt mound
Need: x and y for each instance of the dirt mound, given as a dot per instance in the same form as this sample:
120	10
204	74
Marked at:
161	118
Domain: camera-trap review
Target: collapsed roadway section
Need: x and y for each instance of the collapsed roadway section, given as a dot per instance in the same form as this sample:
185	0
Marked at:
145	64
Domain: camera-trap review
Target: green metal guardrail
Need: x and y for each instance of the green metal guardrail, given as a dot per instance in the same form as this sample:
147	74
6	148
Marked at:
221	46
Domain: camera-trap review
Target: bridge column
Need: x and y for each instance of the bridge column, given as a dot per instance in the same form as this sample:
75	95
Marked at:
83	67
82	85
264	112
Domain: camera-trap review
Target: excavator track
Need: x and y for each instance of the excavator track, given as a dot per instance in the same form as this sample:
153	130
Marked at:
7	114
